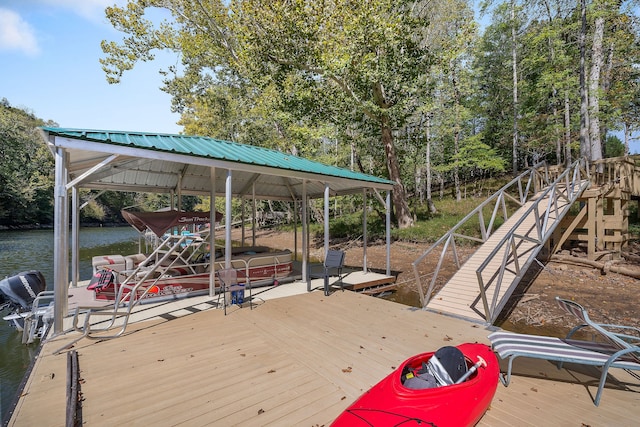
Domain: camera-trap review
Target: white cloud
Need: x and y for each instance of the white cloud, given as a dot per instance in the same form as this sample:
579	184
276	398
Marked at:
16	33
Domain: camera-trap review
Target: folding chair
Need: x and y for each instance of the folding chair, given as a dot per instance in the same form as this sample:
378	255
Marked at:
334	260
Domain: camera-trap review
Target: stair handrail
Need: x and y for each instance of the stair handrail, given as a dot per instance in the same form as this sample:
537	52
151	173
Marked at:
540	171
573	185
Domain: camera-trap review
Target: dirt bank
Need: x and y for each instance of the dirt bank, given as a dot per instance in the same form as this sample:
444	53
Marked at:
609	297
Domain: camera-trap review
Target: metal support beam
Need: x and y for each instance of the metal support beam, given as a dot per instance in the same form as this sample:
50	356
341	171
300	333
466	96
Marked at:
75	236
212	233
388	232
305	237
326	219
364	230
60	241
227	219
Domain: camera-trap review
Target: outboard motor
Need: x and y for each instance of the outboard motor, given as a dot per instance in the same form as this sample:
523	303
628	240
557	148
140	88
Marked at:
19	291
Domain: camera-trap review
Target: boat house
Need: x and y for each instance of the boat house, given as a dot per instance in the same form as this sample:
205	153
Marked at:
187	165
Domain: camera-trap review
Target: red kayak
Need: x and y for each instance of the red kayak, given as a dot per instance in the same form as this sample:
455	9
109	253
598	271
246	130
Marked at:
398	400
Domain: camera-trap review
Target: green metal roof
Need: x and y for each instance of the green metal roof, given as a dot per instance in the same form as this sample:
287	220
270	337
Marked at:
211	148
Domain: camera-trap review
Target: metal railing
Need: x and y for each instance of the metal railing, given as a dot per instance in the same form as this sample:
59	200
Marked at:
548	209
520	190
523	186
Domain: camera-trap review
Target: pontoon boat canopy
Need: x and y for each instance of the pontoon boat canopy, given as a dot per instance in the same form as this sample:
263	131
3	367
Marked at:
160	222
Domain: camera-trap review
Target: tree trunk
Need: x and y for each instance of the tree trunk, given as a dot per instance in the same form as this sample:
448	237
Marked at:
627	136
585	145
456	131
514	58
430	204
594	90
456	173
554	90
567	130
399	197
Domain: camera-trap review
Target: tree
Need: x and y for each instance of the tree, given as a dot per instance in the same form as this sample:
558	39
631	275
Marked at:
597	61
514	68
494	96
368	51
558	42
26	168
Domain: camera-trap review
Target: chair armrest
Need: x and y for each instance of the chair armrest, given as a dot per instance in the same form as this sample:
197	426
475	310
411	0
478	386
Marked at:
576	329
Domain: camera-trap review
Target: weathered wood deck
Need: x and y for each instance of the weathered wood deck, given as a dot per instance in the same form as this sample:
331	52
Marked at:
294	361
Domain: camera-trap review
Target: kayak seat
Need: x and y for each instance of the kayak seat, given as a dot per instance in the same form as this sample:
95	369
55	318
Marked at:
445	367
614	346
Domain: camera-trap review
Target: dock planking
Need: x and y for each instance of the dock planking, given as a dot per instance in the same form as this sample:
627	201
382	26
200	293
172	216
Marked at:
298	360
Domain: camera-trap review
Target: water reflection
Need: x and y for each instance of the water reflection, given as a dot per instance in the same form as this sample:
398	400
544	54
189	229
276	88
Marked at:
33	250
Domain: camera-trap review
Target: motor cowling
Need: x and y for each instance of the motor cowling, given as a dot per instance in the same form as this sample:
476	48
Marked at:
20	290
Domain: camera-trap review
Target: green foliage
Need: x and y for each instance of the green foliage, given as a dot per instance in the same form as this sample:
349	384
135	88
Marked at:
474	157
26	170
613	147
428	227
93	211
368	85
349	226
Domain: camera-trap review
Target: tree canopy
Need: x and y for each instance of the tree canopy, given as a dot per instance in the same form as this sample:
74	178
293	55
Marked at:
409	90
26	169
363	76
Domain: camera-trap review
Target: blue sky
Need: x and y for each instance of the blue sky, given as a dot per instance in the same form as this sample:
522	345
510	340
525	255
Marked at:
49	56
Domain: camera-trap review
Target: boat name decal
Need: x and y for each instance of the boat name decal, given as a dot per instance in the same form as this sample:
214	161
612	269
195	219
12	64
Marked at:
169	290
194	219
174	289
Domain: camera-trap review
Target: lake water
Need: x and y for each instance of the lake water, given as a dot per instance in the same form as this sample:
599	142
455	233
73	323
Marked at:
33	250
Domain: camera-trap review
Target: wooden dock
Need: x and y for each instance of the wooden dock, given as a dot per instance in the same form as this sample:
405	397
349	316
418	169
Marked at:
290	361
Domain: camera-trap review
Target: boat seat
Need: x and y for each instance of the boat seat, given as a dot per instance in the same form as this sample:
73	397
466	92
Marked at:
618	346
333	262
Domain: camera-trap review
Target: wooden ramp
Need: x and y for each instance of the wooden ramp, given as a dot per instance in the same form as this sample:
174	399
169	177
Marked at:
481	286
501	261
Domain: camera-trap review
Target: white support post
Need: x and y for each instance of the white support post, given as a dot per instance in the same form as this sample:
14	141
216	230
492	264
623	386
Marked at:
295	229
212	234
242	219
388	232
179	193
253	214
227	220
364	231
75	236
60	242
326	219
305	238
